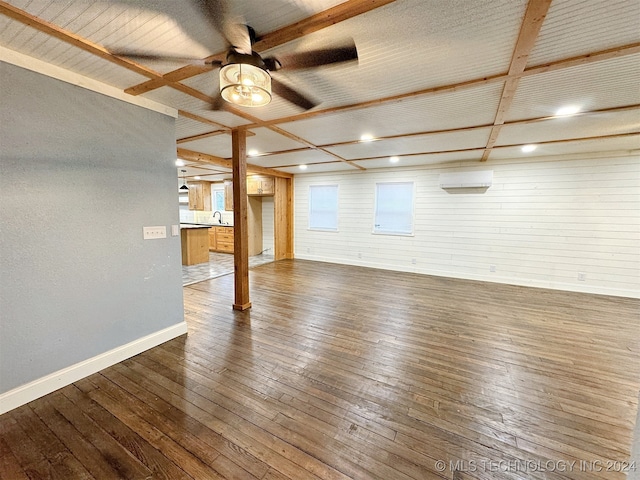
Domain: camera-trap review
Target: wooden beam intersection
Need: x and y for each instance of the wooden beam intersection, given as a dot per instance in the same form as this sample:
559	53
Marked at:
337	14
531	24
534	16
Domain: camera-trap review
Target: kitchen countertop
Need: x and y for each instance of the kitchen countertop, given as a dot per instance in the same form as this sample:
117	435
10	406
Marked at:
203	225
193	225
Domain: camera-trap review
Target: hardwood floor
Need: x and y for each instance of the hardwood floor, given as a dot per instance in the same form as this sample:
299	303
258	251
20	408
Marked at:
343	372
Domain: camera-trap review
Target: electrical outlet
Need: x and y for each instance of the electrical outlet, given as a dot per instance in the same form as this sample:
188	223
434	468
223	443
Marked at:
359	255
150	233
308	249
414	261
492	268
175	230
582	276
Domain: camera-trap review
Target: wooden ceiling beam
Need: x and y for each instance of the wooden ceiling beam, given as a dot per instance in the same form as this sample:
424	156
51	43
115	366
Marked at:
73	39
337	14
194	156
531	24
201	119
93	48
587	58
480	149
200	136
181	73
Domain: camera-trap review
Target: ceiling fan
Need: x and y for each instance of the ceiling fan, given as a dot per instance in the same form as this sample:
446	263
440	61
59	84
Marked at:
245	77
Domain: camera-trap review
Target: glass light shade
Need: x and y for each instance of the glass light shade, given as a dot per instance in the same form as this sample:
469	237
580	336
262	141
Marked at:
245	85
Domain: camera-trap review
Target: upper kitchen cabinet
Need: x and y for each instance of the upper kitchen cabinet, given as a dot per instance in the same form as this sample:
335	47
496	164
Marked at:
200	196
257	185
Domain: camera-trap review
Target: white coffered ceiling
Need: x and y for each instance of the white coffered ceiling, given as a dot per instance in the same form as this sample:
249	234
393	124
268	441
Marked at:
436	81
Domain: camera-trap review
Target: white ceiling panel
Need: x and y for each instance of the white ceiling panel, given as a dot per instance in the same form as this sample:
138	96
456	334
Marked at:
418	160
606	84
439	142
269	16
321	167
266	140
292	159
577	27
629	143
579	126
185	127
218	145
466	107
61	54
200	170
411	45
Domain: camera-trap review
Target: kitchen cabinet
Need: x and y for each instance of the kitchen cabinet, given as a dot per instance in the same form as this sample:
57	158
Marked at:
200	196
256	187
262	186
193	240
221	239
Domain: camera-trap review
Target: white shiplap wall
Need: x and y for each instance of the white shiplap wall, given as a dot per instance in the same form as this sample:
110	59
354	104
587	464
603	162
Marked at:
542	223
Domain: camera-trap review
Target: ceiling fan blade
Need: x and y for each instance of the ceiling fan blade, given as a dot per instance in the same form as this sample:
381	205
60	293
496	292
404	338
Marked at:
218	103
135	55
314	58
291	95
234	31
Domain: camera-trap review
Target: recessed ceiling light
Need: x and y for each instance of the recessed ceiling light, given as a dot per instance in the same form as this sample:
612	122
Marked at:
253	152
302	167
366	137
394	159
179	163
568	110
529	148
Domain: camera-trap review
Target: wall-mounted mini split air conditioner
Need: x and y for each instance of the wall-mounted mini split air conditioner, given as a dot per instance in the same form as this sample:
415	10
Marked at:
478	179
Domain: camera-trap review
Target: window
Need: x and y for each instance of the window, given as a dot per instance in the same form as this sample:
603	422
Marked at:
218	200
323	207
394	208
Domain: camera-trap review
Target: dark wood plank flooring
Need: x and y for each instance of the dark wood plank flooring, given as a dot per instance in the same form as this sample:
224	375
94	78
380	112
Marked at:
343	372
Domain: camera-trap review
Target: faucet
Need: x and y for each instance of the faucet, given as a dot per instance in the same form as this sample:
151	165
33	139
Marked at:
214	216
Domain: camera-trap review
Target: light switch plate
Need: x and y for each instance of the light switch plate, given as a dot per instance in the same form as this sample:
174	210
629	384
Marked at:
150	233
175	230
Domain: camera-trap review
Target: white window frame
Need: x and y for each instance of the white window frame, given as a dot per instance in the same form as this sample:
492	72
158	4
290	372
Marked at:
378	229
337	203
215	190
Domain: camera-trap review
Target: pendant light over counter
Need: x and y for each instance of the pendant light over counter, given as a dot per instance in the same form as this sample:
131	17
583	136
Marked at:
184	187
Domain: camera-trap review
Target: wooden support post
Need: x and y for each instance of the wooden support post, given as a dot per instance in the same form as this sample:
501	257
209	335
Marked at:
240	224
283	212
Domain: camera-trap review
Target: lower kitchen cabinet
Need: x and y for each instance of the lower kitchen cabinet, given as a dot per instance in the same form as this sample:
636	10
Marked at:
221	239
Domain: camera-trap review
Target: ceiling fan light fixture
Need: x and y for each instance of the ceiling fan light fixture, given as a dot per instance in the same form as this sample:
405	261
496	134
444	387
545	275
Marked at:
245	85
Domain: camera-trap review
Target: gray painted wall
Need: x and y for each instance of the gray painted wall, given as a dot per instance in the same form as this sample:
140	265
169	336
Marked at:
81	174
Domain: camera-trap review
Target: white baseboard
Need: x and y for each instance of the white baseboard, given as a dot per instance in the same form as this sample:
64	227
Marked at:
50	383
